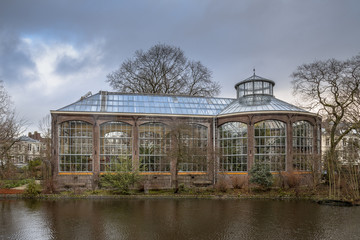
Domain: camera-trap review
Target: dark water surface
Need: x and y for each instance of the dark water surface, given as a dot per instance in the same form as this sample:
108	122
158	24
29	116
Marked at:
176	219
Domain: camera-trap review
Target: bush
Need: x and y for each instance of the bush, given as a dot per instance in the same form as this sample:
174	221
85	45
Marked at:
238	182
119	182
32	189
260	174
13	183
35	168
222	184
50	186
292	180
8	171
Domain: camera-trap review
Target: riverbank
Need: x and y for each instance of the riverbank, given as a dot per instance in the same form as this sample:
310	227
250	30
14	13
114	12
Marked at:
318	194
273	194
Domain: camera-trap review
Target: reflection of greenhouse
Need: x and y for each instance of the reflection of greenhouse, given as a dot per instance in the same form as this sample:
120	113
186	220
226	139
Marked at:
109	132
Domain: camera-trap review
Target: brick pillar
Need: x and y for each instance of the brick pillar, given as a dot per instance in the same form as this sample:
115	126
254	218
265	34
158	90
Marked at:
54	146
135	145
251	145
96	149
212	156
173	161
289	146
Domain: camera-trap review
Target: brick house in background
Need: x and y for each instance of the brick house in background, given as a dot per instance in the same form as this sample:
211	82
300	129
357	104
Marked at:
26	149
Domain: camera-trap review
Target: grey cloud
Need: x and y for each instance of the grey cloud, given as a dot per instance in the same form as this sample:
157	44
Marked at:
14	59
67	65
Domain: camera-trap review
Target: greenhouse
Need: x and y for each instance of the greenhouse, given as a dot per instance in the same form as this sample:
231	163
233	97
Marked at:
196	139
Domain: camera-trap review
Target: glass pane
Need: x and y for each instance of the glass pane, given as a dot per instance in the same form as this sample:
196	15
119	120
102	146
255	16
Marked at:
233	147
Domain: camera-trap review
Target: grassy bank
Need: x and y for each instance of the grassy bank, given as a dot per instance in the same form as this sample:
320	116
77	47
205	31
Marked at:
208	193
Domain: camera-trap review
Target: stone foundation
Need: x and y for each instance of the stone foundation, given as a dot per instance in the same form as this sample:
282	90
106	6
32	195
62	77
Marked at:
157	182
73	181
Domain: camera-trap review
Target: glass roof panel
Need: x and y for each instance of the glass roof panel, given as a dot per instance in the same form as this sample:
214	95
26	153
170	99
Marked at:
273	104
178	105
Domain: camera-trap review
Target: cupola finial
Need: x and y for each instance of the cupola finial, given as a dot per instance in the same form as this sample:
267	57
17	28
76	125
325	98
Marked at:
254	71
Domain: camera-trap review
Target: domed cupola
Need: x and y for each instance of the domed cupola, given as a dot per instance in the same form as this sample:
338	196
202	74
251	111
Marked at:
254	90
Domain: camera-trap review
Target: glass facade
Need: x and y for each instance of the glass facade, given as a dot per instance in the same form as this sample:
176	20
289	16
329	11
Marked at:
115	147
193	142
75	146
154	143
270	144
233	147
302	145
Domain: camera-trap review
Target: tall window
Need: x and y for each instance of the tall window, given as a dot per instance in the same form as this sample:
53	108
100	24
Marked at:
154	143
270	144
75	146
115	147
193	145
233	147
302	145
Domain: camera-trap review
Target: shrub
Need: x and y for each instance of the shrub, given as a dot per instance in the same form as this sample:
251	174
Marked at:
292	180
181	187
8	171
32	189
35	168
119	182
222	184
238	182
260	174
13	183
50	186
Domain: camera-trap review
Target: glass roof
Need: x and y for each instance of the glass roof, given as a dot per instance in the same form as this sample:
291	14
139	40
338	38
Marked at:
109	102
148	104
256	79
256	105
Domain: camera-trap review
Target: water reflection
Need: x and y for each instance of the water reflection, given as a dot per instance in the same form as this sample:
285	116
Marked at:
176	219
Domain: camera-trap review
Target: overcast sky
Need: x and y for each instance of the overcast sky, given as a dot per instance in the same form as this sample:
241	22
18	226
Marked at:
53	52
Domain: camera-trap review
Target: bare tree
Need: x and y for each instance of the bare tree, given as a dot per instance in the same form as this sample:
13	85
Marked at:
331	88
163	69
187	153
45	129
10	126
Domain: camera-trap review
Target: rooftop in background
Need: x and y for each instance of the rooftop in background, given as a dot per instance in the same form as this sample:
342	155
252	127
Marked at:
254	94
27	139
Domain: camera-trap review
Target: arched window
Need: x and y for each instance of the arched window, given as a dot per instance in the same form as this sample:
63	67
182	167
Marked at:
192	145
115	147
302	145
270	144
75	146
233	147
154	143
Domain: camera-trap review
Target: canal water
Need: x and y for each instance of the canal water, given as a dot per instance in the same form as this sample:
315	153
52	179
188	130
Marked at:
176	219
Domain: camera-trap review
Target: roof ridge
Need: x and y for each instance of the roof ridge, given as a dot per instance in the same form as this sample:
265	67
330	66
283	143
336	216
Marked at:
158	95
